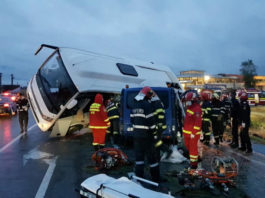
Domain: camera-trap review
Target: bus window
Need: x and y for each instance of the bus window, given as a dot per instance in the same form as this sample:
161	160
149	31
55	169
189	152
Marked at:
55	84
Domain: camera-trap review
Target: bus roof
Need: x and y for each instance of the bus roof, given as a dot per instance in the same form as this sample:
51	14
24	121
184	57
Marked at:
97	72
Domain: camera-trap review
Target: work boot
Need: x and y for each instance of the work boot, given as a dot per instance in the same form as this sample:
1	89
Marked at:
234	146
249	151
242	149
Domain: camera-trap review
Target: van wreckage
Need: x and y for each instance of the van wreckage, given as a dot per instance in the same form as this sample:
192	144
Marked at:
65	85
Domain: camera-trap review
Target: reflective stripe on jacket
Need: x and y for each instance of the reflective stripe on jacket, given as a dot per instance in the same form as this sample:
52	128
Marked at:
193	120
98	118
112	110
143	119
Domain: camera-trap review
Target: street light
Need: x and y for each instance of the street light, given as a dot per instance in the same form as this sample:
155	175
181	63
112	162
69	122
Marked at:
206	78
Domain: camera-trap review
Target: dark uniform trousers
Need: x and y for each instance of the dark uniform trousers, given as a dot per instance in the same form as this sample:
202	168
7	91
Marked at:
235	131
23	120
145	147
245	140
206	130
114	130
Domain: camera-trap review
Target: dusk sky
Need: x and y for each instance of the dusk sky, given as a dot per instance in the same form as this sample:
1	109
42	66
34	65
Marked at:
211	35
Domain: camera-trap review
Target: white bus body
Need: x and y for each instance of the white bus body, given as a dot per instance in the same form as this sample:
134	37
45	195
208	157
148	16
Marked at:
68	80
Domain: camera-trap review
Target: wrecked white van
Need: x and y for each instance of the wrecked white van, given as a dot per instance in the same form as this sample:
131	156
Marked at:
65	85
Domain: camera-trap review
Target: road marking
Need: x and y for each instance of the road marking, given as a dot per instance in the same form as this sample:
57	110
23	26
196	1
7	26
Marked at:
35	154
16	139
46	179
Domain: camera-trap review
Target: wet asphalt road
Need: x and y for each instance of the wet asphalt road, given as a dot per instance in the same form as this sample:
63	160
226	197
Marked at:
34	165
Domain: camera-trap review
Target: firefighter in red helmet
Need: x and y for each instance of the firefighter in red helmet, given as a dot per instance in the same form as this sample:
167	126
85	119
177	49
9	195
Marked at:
192	127
98	122
244	123
143	119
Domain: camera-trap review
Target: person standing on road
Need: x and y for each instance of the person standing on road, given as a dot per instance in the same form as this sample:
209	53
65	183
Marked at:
227	108
244	123
217	118
160	116
22	108
234	115
192	127
113	114
206	116
98	122
143	121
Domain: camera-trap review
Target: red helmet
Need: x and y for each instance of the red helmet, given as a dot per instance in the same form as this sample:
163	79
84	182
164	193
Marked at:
190	96
206	95
147	91
243	96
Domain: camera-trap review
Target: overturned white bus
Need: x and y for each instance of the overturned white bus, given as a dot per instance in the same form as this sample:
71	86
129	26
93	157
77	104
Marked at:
62	90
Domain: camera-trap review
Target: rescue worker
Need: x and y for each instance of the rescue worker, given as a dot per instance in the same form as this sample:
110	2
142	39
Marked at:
217	118
227	108
225	112
143	122
206	116
161	126
22	108
244	123
98	122
234	115
192	127
114	116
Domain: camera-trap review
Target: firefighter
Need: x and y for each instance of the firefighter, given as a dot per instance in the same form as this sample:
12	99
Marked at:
217	118
227	108
144	126
206	116
161	126
98	122
113	114
192	127
22	108
234	115
244	123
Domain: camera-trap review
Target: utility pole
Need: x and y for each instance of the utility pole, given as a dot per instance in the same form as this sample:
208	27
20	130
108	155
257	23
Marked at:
12	79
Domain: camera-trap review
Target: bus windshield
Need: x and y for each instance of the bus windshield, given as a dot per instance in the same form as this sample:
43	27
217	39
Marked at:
56	86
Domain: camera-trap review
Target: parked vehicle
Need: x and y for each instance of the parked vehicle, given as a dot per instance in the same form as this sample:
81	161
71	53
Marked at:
166	95
7	106
253	96
62	90
262	98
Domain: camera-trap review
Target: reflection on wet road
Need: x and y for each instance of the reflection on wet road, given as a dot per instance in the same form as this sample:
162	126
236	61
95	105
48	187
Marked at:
38	165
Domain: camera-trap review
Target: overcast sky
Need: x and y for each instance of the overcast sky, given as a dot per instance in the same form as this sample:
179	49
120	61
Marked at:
211	35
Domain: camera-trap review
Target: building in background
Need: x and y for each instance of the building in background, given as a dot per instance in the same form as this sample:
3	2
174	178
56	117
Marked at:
198	79
260	82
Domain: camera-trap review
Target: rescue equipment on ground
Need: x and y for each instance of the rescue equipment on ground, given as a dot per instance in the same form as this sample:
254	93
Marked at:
108	158
223	174
103	186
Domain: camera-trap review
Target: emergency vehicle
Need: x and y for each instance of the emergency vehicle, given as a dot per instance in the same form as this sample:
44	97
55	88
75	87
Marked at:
253	96
262	98
63	88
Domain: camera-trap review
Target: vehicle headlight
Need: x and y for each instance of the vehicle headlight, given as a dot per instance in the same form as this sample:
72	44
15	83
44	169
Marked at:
47	118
